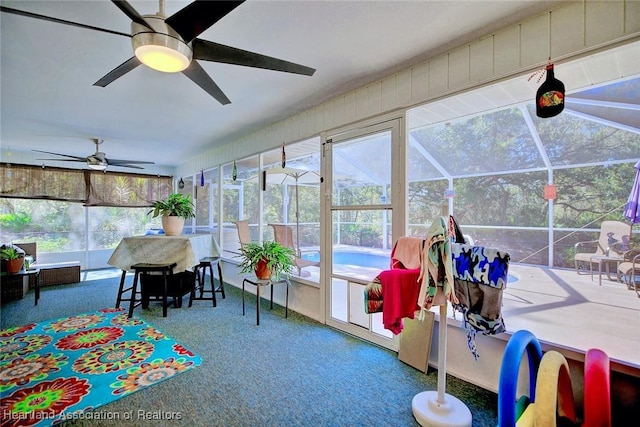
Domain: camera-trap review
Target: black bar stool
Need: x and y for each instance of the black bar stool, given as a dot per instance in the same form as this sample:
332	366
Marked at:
122	290
164	269
201	273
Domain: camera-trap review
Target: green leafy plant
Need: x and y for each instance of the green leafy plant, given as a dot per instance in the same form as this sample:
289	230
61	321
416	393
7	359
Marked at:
279	259
176	204
10	252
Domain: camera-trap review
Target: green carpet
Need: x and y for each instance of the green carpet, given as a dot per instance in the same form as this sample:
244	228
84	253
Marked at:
63	368
285	372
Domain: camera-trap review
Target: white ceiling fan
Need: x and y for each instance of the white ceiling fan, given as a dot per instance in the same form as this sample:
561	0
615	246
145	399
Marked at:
98	160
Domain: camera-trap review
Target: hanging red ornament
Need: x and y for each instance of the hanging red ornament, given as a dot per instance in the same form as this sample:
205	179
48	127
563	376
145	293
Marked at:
550	96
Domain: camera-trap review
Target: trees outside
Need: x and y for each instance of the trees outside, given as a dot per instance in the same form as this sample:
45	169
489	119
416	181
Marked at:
64	226
498	167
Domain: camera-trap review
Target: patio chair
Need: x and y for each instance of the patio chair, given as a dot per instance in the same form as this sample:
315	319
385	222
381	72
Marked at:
244	236
283	234
614	236
629	269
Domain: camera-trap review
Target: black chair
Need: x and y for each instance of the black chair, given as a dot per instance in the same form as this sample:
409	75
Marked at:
201	274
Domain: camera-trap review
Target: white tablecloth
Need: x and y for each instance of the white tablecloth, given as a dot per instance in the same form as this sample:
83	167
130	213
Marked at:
185	250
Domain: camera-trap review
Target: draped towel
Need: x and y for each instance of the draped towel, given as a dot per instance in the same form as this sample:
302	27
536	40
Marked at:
405	257
400	293
407	253
436	276
480	275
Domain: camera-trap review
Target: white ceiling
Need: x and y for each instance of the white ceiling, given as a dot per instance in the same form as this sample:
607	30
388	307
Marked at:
48	101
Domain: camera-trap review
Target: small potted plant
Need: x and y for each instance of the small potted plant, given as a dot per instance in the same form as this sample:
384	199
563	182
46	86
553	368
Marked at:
12	258
266	260
174	210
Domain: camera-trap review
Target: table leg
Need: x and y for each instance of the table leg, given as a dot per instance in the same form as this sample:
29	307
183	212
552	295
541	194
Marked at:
286	302
243	297
165	300
600	272
258	305
37	297
271	306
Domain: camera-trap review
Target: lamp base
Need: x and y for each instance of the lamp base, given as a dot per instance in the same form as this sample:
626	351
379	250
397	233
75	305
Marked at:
428	412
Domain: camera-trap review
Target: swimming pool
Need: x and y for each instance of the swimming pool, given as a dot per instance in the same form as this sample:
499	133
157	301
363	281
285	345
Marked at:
362	259
365	259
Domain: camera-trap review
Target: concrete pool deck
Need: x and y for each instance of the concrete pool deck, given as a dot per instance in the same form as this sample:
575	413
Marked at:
575	313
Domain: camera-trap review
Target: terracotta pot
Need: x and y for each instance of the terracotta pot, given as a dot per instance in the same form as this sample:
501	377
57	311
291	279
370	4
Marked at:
13	265
172	225
262	271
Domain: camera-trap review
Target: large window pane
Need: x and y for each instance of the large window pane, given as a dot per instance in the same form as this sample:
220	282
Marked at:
108	225
589	195
205	183
425	200
492	142
362	171
501	200
292	195
240	200
56	226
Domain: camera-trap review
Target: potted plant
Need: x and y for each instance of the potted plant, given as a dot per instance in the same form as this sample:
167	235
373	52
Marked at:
174	210
266	260
12	258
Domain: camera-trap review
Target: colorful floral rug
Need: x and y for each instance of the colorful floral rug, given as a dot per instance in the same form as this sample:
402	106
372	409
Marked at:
60	369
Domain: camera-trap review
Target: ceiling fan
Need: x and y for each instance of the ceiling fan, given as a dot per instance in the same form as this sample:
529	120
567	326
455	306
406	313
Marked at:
171	44
98	160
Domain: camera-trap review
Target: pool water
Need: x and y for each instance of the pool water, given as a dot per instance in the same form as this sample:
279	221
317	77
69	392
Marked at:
363	259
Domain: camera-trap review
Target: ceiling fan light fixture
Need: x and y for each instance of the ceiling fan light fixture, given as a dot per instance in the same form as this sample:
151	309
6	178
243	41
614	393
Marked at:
163	50
97	166
162	58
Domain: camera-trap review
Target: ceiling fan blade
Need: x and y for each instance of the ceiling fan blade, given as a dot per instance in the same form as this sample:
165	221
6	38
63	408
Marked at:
119	162
118	72
76	158
215	52
200	77
194	19
131	13
67	160
60	21
124	165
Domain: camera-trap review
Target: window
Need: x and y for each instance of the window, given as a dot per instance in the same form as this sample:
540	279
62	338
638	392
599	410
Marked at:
240	200
495	165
